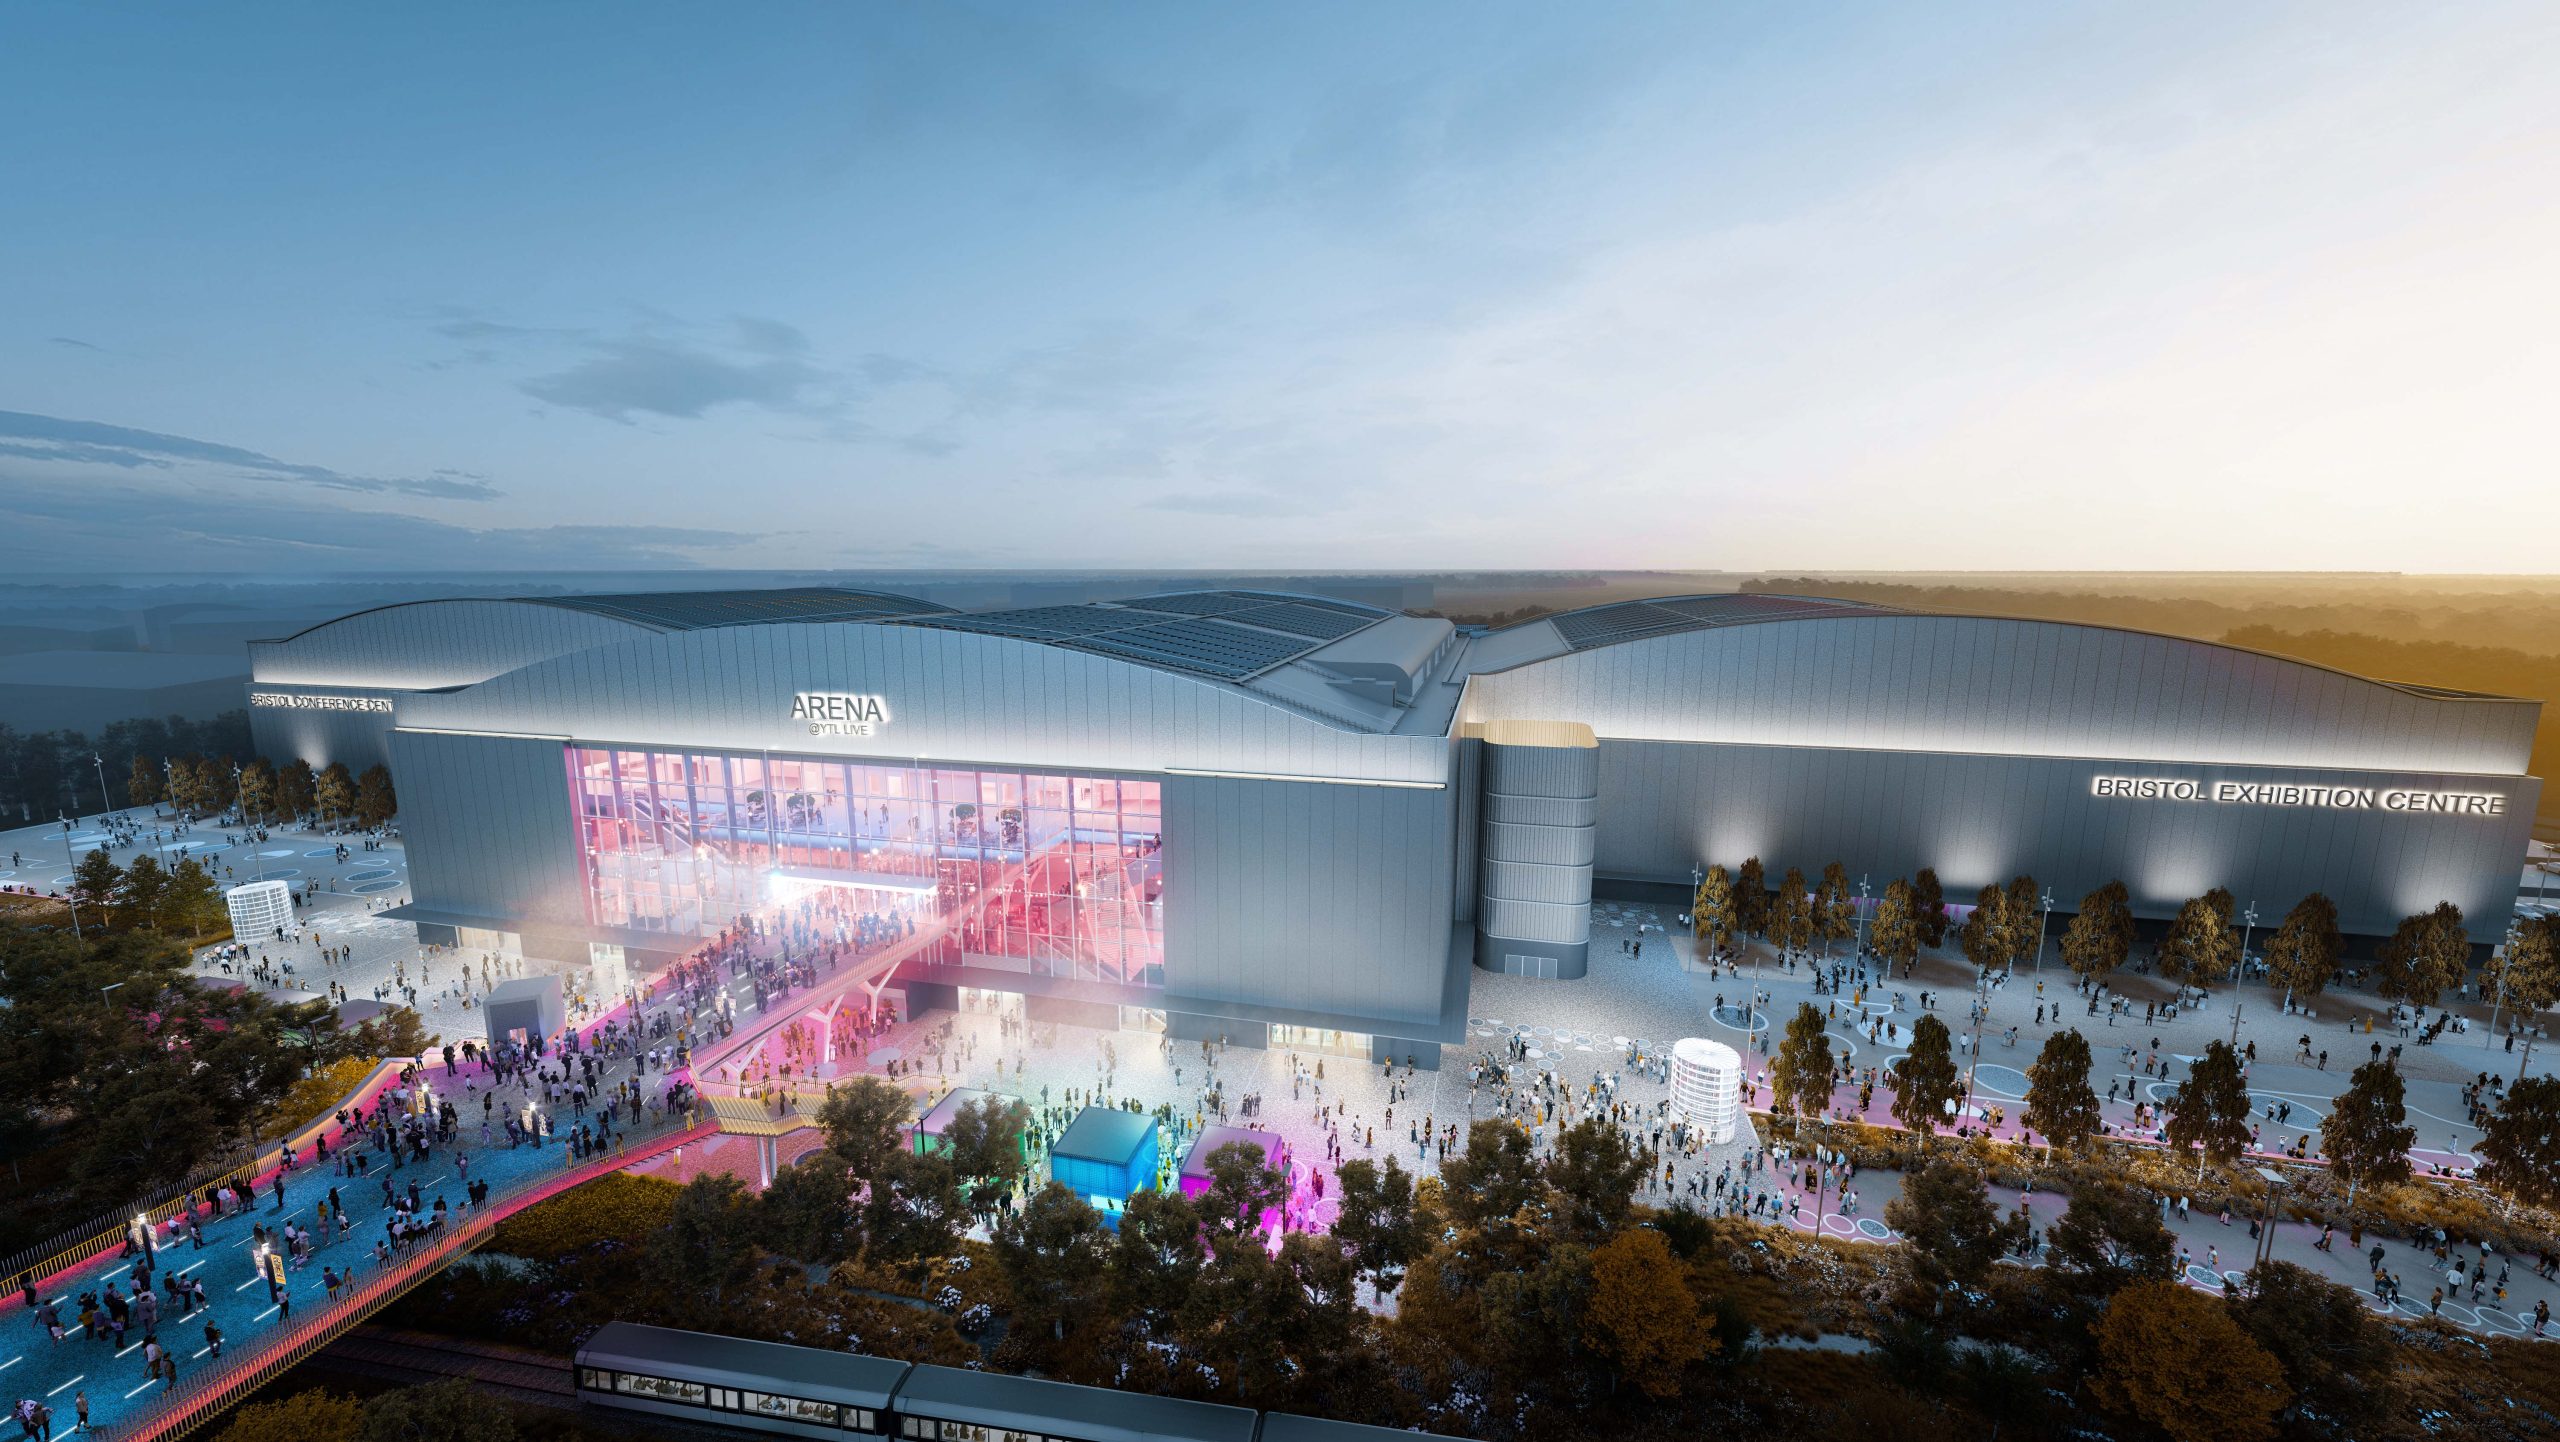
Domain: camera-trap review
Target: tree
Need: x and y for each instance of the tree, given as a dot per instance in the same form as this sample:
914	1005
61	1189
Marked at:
2520	1146
2025	917
1926	1078
1595	1173
1895	936
1932	907
1378	1221
95	884
1800	1074
313	1416
807	1213
335	792
2321	1334
1242	1186
2303	953
1751	896
1715	912
184	792
257	790
2526	971
2004	1384
375	800
1643	1317
294	788
1954	1229
1052	1254
145	891
2210	1109
1791	924
2200	946
986	1150
2061	1105
143	788
866	1124
2425	957
1985	934
2100	936
2174	1358
1835	910
707	1249
2367	1135
192	903
456	1409
1493	1178
2109	1237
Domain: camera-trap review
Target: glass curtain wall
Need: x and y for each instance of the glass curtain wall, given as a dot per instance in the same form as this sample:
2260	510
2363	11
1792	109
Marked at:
1060	875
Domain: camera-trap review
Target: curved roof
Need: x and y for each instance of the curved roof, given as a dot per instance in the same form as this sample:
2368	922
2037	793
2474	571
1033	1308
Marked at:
1614	622
1930	681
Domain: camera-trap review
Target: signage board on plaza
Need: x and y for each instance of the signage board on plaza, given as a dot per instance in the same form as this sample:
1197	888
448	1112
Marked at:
300	701
840	713
2286	793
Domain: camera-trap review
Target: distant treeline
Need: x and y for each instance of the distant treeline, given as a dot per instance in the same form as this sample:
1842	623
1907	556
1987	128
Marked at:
2525	619
47	773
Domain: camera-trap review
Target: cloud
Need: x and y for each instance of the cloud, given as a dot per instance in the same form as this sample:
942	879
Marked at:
663	378
96	443
770	337
64	340
40	525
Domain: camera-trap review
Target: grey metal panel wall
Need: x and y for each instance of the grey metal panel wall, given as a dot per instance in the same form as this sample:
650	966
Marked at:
487	824
952	696
1323	899
432	643
2038	688
1667	806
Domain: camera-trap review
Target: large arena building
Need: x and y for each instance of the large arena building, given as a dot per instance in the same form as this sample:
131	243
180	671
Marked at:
1289	819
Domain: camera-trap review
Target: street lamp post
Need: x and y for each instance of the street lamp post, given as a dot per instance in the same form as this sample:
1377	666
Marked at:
2043	918
2505	959
1862	918
257	853
70	897
104	805
2248	929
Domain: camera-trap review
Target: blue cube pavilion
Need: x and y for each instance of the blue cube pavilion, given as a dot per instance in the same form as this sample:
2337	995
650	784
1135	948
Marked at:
1105	1156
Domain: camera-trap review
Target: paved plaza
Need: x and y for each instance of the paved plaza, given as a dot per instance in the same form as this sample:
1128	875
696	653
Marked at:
1646	989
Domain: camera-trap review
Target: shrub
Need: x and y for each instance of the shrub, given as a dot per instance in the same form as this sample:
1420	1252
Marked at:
616	1206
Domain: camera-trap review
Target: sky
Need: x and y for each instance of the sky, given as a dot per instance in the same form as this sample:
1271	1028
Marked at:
349	288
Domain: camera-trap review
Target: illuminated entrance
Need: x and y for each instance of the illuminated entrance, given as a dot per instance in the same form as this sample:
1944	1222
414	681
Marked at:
1052	875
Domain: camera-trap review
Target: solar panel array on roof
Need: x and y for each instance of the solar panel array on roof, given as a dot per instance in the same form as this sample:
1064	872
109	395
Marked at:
1637	620
1226	635
1041	623
1196	603
1209	647
1309	621
699	610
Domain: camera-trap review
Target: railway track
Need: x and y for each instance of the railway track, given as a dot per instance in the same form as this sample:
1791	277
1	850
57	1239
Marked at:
514	1373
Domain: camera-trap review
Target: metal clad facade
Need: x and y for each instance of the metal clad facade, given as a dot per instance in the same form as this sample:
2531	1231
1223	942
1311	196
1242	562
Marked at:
1665	807
1305	897
486	821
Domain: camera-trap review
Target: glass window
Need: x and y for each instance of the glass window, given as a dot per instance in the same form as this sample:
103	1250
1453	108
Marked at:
595	1379
662	1389
791	1409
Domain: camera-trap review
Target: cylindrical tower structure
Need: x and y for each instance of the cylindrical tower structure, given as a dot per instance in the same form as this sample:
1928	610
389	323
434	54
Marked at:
1541	812
1706	1086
